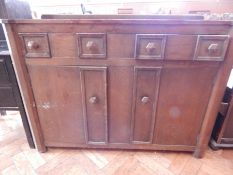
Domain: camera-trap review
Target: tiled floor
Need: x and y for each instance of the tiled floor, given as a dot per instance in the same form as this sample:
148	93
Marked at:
17	158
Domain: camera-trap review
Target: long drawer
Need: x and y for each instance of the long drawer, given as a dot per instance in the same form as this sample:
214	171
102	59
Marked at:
134	46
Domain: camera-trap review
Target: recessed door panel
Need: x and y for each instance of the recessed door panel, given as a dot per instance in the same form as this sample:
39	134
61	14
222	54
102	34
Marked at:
57	93
95	103
146	84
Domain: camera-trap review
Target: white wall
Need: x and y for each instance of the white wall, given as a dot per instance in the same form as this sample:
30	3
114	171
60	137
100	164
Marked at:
139	6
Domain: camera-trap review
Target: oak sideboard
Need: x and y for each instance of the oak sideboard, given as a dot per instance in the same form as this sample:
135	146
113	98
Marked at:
153	84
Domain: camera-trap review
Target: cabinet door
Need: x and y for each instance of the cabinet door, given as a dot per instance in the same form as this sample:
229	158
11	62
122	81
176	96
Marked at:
183	98
146	84
57	93
94	96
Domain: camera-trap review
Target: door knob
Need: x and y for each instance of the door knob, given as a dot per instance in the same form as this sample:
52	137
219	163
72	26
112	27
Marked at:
32	45
150	47
213	48
91	45
145	99
93	100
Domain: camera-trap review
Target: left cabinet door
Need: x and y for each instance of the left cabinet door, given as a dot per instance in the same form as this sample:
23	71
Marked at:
57	93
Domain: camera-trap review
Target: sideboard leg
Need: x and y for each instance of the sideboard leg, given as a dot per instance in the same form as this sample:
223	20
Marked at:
42	149
198	153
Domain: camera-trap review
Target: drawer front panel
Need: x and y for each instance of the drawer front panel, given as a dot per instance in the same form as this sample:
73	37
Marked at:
92	45
35	45
95	103
145	98
150	46
4	74
7	98
138	46
211	47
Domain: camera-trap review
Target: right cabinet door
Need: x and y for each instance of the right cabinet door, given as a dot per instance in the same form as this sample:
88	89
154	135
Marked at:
183	97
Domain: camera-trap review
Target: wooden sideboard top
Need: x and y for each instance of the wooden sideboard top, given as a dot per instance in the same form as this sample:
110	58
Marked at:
117	20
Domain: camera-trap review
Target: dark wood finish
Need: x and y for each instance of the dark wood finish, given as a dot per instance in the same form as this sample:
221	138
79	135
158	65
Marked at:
120	117
146	86
94	97
63	45
150	46
214	101
211	47
35	45
180	47
122	101
182	104
122	16
120	45
58	102
92	45
26	91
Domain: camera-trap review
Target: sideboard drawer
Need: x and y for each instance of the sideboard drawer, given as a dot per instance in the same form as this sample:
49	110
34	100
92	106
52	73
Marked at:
92	45
150	46
35	45
211	47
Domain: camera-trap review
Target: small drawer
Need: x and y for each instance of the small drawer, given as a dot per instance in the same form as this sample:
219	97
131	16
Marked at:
150	46
4	74
36	45
92	45
7	97
211	47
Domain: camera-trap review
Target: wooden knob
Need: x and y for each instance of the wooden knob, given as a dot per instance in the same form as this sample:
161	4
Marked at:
91	45
145	99
32	45
93	100
150	47
213	48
